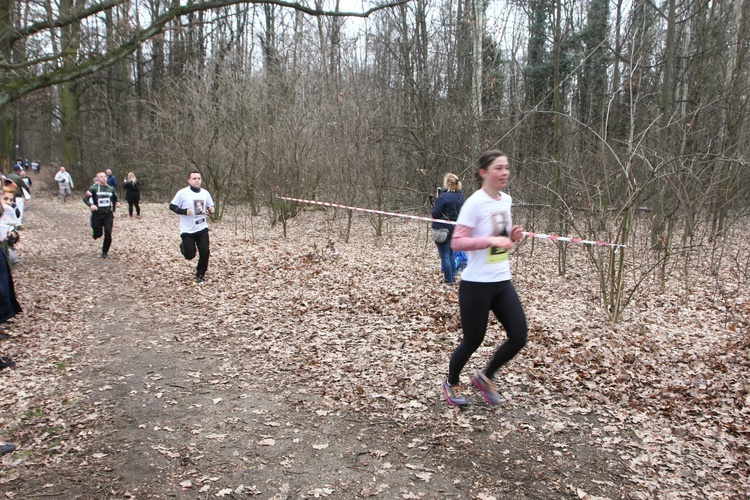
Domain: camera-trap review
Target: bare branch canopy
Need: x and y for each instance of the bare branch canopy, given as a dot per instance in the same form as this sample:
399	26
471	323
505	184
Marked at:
13	86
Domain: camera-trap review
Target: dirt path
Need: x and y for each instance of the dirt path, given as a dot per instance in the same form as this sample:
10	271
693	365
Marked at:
161	388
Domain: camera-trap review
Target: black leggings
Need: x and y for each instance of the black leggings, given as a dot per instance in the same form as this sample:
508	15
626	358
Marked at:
199	240
475	301
103	224
137	206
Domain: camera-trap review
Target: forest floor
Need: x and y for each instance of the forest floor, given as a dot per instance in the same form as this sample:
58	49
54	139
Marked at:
309	367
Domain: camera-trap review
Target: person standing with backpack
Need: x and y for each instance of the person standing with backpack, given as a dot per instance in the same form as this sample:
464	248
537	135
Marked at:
447	206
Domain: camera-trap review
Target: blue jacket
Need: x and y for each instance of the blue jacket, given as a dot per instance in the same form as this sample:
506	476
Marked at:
447	207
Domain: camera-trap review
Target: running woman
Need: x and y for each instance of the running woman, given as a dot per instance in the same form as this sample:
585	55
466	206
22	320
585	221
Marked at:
191	204
102	201
485	231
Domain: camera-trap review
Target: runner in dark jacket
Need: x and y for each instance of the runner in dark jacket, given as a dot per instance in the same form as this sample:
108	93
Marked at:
102	201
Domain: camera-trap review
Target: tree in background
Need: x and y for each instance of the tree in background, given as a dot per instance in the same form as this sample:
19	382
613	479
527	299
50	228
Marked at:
63	63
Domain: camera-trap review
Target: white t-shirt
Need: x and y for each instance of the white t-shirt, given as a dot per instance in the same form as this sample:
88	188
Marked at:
198	203
487	217
63	178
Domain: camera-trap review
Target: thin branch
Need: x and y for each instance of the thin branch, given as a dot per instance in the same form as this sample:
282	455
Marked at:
63	21
14	89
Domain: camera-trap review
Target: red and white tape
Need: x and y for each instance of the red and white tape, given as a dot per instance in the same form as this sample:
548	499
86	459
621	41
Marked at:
528	234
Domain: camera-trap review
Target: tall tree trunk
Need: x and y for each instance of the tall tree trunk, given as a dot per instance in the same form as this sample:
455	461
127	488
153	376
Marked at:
665	103
458	87
613	130
730	121
554	149
537	81
68	92
424	102
117	79
477	73
6	116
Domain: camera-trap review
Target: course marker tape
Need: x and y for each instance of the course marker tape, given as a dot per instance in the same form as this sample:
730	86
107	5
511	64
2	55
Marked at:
528	234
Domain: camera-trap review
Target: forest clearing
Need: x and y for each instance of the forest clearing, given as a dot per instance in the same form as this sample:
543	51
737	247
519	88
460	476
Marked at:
309	367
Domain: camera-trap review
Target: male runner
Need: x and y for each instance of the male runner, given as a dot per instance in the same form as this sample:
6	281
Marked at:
192	205
102	201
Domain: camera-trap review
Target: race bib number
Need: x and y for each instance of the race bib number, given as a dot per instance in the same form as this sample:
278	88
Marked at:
103	202
496	255
200	220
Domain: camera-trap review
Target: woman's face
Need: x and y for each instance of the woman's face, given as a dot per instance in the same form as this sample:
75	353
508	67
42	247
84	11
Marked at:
7	199
496	175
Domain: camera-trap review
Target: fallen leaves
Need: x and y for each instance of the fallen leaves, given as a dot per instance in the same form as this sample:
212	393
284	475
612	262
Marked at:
308	351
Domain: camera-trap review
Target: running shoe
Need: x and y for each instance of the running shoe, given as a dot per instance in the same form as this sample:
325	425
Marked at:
452	394
200	279
104	255
487	388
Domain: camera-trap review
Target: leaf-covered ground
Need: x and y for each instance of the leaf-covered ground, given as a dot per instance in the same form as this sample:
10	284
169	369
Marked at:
307	367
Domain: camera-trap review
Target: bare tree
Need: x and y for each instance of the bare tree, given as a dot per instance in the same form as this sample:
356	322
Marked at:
47	68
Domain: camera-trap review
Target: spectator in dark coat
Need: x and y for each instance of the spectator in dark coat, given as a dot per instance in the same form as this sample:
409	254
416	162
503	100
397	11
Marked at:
446	207
9	307
132	194
111	179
